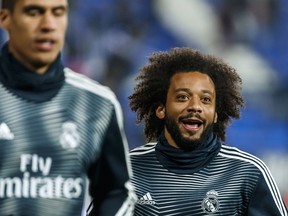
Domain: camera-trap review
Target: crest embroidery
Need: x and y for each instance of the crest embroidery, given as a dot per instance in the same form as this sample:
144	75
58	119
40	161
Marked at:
210	204
70	137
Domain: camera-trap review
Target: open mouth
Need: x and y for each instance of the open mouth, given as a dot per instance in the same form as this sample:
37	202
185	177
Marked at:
192	124
45	44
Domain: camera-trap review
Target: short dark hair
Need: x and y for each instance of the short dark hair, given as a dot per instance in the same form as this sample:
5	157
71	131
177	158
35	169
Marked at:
154	81
8	4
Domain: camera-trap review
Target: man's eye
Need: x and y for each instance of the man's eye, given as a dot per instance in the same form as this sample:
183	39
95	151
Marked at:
207	99
33	12
59	12
182	97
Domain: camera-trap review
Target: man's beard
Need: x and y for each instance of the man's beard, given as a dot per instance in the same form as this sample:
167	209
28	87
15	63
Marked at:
183	143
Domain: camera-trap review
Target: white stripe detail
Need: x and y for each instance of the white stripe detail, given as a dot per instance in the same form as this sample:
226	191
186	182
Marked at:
244	156
141	150
87	198
127	208
83	82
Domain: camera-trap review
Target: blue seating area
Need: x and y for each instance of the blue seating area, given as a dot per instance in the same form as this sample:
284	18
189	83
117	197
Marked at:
109	40
116	37
113	39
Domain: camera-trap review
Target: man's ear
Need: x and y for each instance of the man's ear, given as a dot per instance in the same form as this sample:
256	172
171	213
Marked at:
215	117
4	18
160	112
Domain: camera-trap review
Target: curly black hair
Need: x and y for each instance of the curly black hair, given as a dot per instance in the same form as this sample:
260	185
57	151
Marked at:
154	80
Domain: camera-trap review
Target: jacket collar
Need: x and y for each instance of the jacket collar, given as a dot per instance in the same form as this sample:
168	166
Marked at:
27	84
186	162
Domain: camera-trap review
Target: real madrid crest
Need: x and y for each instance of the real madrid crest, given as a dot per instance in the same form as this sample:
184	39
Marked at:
210	203
70	137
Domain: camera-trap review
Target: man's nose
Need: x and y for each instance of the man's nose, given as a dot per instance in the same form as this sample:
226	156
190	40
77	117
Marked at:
194	105
48	22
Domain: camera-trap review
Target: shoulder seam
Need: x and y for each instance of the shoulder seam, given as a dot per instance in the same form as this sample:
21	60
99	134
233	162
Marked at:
141	150
234	153
81	81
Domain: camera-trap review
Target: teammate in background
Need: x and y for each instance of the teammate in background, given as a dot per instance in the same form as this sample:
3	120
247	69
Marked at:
58	128
187	99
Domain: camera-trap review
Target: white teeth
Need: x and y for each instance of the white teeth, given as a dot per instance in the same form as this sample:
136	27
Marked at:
45	44
48	43
192	126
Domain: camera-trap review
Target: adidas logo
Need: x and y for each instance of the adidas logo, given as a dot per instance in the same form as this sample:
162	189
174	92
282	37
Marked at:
5	133
146	200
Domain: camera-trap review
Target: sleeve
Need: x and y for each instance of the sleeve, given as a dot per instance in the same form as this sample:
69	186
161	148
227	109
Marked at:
110	185
266	200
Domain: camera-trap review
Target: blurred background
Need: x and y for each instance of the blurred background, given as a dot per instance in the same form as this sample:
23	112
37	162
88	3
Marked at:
109	40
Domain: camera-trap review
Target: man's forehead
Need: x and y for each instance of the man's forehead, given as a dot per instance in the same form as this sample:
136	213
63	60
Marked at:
43	3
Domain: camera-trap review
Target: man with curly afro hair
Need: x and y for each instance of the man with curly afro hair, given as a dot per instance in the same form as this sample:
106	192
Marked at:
187	99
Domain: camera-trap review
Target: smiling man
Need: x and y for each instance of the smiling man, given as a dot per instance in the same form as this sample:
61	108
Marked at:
189	113
61	134
187	99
